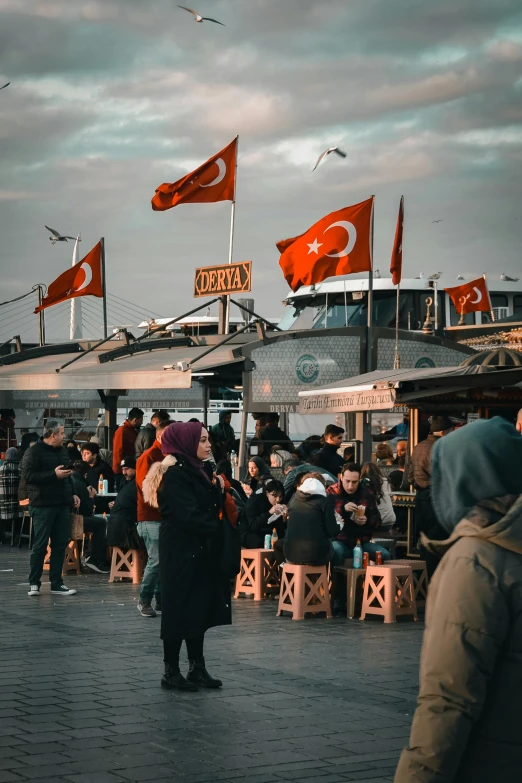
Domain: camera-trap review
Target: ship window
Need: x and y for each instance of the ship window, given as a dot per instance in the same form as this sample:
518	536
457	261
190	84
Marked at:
498	300
517	305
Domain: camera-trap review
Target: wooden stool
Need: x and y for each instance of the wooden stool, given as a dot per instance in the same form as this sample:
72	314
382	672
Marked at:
352	577
126	564
258	575
71	563
388	591
304	589
420	579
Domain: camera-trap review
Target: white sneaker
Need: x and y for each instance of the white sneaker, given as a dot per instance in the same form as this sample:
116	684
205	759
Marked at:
63	590
33	590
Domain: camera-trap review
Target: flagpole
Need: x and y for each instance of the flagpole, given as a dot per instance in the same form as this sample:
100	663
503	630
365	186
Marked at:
226	299
369	323
397	358
104	284
41	321
75	325
491	313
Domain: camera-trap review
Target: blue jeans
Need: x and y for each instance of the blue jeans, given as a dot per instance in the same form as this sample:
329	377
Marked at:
342	551
150	587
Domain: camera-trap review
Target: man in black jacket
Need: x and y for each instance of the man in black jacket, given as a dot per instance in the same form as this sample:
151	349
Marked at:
94	467
47	476
123	521
97	526
327	457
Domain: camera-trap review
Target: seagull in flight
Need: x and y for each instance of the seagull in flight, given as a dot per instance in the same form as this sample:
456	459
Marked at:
5	85
437	221
198	17
58	237
329	152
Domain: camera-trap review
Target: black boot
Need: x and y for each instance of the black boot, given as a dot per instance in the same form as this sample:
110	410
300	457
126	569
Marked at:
198	675
174	680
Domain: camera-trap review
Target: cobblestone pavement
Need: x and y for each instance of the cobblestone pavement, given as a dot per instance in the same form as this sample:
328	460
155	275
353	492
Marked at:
318	701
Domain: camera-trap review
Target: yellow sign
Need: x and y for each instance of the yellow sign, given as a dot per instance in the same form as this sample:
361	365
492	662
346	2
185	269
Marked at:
223	279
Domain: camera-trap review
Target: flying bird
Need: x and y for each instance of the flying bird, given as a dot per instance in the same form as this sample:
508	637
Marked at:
198	17
5	85
508	279
58	237
437	221
329	152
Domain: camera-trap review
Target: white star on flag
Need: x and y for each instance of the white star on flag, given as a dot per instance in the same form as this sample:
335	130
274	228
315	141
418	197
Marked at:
314	247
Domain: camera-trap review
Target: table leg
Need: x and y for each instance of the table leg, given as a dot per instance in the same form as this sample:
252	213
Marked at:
351	590
258	576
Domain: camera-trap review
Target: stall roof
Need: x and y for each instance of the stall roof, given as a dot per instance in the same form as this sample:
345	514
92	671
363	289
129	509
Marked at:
141	370
383	389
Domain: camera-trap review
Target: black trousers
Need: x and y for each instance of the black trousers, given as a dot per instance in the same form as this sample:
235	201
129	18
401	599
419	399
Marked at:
54	523
428	524
172	649
98	527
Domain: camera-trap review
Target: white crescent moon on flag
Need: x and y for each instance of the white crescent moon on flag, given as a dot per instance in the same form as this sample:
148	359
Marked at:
352	237
479	296
221	175
88	276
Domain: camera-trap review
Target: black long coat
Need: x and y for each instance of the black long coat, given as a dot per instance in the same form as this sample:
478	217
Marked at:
195	595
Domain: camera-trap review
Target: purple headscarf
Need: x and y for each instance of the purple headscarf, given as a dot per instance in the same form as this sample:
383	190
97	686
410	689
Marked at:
181	438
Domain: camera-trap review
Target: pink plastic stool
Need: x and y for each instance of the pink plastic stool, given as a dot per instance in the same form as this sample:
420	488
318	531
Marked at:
388	592
304	590
258	574
420	579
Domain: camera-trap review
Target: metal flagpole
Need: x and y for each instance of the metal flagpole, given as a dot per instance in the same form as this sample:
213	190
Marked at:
41	321
104	284
369	323
226	299
397	358
76	325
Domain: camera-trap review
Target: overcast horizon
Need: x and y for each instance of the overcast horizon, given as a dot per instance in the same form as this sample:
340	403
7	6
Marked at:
110	98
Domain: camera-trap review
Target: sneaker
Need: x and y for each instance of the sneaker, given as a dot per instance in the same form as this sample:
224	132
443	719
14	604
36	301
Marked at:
100	568
146	610
62	590
34	590
157	605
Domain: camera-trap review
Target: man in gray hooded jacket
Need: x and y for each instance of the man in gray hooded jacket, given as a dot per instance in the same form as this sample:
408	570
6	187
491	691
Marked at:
466	728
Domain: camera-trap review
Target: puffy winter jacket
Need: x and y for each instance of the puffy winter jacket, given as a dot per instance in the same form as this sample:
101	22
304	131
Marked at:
43	487
467	727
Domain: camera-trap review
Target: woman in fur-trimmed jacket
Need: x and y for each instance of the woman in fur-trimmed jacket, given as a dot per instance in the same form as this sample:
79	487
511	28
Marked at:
195	593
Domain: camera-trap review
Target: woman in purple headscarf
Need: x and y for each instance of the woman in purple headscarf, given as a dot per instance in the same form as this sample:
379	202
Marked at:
195	593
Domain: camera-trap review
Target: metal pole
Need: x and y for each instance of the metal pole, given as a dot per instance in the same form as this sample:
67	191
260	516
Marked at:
226	299
41	322
369	323
436	292
76	325
397	358
326	311
242	439
104	283
345	305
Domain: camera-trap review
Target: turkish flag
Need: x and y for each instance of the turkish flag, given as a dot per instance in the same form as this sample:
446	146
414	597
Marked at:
82	279
396	256
338	244
472	297
213	181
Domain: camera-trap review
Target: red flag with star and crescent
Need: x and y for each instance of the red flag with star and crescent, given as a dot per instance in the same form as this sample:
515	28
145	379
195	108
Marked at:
396	256
472	297
214	180
82	279
338	244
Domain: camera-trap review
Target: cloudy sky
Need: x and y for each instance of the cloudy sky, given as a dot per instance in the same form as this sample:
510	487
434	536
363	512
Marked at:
109	98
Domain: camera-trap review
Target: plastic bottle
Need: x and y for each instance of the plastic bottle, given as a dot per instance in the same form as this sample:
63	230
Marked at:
105	487
100	485
357	555
233	459
274	538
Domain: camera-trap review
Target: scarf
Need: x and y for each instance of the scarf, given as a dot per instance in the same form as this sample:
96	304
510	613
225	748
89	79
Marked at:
181	438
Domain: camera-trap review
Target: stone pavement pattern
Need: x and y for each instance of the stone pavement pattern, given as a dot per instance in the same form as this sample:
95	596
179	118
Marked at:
320	701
